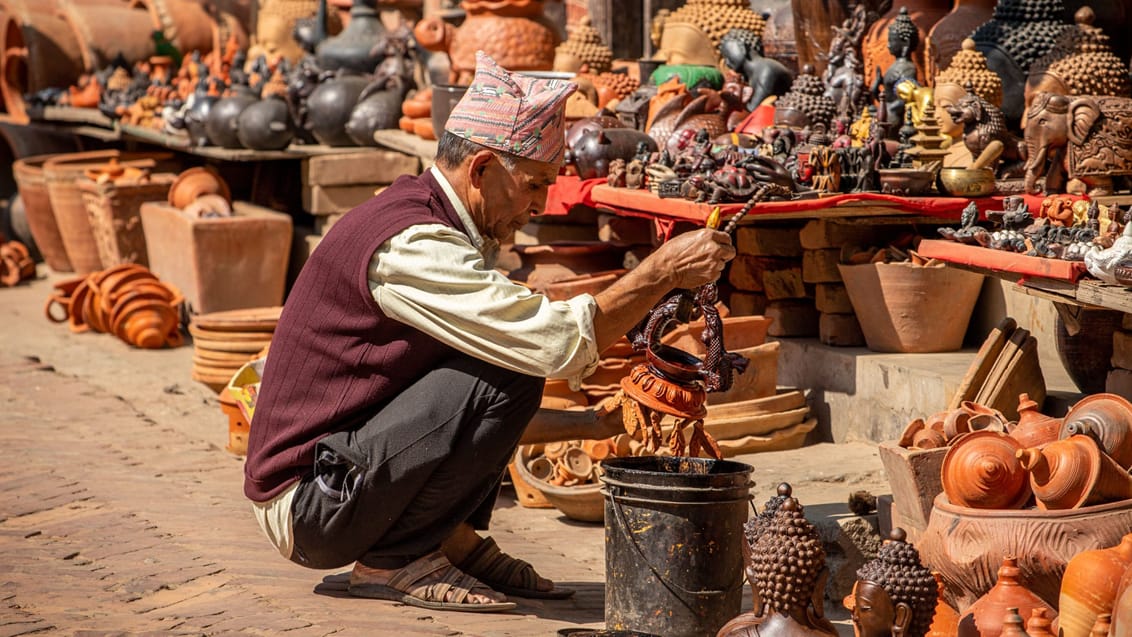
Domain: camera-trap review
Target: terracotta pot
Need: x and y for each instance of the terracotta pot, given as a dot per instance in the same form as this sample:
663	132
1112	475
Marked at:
1086	355
908	308
194	182
1122	607
874	46
1089	587
114	210
981	471
1040	623
583	503
946	37
40	216
985	617
39	50
329	108
1012	624
1106	418
1034	429
1071	473
966	545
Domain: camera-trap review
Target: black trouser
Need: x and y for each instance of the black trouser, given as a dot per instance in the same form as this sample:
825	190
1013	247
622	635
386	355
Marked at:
392	489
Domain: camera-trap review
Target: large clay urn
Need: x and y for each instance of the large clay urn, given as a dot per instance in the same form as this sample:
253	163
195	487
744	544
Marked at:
1034	429
985	617
1107	418
1090	585
1072	473
946	37
874	47
981	471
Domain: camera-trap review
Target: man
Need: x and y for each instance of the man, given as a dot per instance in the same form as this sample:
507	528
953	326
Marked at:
405	370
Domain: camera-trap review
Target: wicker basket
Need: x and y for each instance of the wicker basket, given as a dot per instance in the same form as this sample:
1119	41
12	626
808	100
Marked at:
115	216
40	216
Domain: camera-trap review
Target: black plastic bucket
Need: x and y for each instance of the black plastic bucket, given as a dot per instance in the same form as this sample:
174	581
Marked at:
673	543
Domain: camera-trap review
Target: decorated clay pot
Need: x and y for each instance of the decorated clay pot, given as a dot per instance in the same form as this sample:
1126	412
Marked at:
1033	428
1071	473
985	617
981	471
330	106
1107	418
266	125
1090	585
222	125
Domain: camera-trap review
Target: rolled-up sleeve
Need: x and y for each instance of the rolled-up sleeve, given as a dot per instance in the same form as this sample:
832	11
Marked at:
432	278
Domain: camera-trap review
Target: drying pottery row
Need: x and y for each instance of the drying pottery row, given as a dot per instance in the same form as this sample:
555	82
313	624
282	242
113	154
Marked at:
224	341
127	300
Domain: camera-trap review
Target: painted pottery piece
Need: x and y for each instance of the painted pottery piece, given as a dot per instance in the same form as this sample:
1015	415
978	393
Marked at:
1106	418
1090	586
1073	472
985	617
966	545
981	471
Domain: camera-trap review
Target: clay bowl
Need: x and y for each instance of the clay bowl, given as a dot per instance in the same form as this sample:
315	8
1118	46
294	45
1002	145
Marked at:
966	182
910	182
583	502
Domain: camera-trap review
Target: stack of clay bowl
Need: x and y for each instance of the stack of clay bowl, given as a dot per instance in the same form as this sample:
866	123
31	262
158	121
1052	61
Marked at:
15	263
126	300
565	475
224	341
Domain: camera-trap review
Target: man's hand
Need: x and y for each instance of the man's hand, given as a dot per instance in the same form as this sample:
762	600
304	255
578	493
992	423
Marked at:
694	258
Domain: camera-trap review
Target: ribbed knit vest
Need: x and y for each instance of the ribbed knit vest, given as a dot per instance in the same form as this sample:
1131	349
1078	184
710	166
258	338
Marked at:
335	357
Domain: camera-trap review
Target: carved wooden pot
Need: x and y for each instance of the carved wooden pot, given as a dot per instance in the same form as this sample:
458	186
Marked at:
1071	473
966	545
981	471
1090	585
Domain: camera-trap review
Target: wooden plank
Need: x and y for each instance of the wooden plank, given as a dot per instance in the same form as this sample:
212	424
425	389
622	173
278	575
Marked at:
70	114
375	166
319	200
997	373
407	143
983	362
1101	294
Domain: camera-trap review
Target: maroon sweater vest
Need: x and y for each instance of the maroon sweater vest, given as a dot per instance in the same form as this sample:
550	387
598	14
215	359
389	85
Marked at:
335	357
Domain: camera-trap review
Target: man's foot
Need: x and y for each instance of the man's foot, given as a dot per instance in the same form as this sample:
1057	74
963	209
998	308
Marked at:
482	558
429	582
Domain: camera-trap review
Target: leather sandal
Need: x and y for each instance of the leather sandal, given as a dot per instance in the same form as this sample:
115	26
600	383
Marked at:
506	574
408	587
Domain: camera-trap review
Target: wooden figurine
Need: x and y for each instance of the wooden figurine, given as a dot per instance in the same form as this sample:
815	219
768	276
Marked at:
982	124
1080	138
895	594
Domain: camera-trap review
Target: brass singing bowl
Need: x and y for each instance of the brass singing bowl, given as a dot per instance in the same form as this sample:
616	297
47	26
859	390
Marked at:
966	182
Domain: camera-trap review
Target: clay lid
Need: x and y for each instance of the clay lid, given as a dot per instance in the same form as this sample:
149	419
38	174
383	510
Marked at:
970	65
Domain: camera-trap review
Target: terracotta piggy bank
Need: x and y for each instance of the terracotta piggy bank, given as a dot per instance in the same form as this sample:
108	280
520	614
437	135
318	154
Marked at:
596	148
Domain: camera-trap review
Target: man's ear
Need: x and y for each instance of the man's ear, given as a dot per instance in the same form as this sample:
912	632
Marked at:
478	166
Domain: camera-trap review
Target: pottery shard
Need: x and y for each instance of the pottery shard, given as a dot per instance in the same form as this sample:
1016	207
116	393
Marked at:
792	317
324	200
824	233
1119	382
784	284
1122	349
747	271
351	169
832	298
747	303
630	230
768	242
820	266
840	330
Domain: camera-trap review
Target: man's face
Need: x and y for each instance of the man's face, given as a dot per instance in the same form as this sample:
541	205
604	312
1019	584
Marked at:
510	197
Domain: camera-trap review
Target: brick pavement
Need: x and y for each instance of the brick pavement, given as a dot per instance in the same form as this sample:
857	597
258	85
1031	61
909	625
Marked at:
120	512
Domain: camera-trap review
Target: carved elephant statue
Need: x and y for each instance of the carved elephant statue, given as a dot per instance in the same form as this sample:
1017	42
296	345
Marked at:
1086	138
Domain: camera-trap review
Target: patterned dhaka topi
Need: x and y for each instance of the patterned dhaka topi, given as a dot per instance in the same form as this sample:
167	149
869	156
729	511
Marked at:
515	113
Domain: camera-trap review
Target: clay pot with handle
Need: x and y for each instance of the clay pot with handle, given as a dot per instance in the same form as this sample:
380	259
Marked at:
1072	473
1090	585
1034	429
1106	418
981	471
985	617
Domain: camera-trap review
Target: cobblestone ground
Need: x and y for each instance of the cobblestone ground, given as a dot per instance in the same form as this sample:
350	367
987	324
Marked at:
121	513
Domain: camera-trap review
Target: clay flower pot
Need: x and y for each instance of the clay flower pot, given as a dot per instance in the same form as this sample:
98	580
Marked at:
1107	418
1090	585
985	617
981	471
1072	473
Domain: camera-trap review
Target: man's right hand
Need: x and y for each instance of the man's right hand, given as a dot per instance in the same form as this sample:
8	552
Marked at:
694	258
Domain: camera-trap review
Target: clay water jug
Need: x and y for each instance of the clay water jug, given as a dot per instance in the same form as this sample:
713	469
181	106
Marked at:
1107	418
1090	585
1040	624
1034	429
1072	473
355	48
985	617
981	471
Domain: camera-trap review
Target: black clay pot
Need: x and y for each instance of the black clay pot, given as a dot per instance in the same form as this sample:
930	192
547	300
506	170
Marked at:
376	111
223	120
266	125
354	48
197	118
329	108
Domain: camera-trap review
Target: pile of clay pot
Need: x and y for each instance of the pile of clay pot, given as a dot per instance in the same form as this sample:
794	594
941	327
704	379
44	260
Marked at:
126	300
15	263
1062	463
